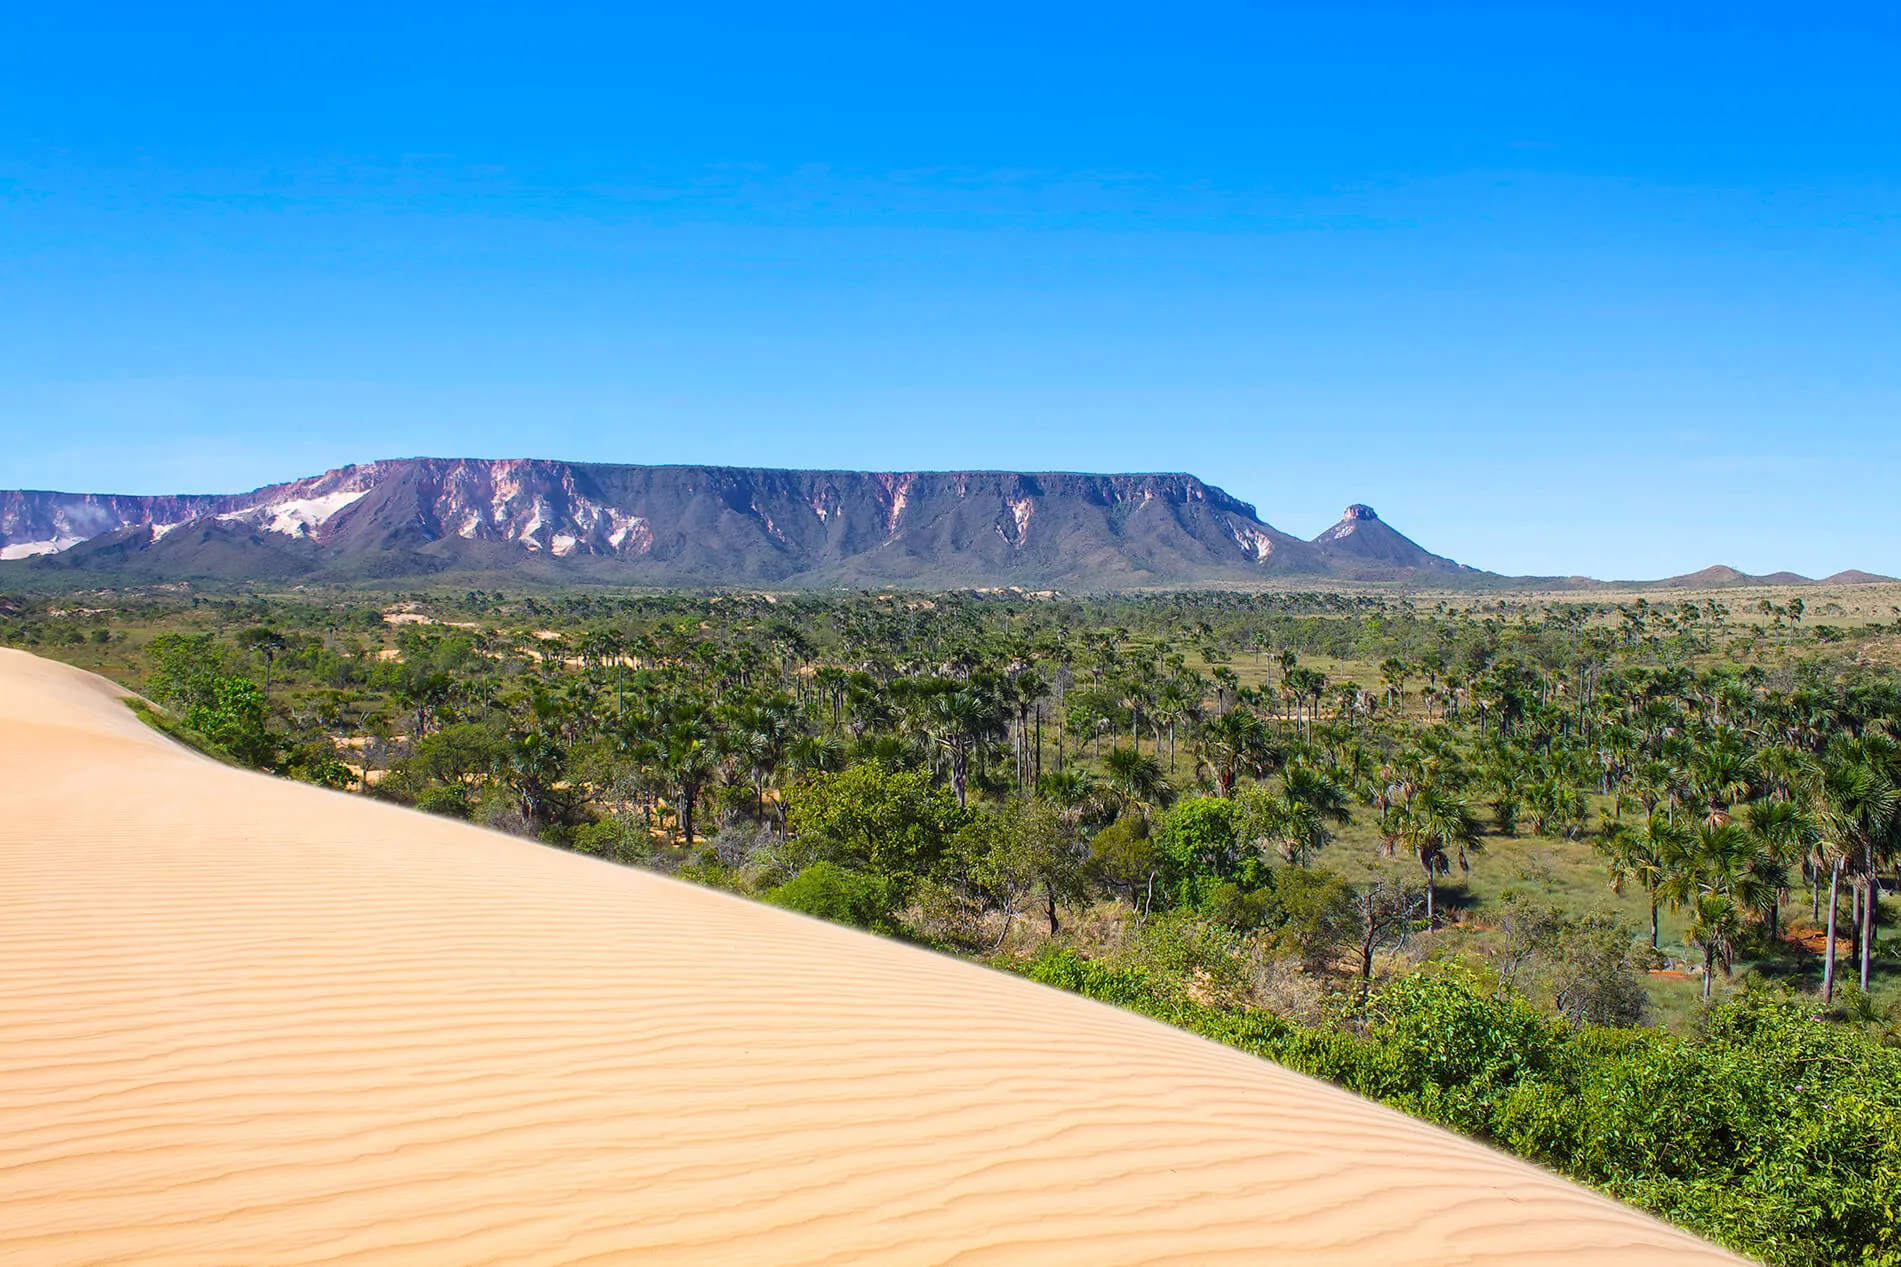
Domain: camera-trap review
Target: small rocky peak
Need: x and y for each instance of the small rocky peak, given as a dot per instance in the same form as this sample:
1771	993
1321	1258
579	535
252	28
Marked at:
1357	511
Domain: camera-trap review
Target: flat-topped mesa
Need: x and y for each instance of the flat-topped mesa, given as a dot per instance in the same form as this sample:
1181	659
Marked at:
664	525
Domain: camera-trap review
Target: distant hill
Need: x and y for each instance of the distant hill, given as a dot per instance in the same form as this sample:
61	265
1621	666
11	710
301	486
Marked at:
1362	542
556	522
1724	577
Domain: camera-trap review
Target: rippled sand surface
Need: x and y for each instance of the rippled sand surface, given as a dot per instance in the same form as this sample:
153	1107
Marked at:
247	1022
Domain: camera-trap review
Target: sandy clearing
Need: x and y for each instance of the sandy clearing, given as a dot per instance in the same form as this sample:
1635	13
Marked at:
247	1022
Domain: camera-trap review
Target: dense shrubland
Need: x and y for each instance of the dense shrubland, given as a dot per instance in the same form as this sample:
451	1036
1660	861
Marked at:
1266	818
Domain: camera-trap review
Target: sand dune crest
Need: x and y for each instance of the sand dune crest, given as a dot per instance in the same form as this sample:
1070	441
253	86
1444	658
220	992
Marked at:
246	1022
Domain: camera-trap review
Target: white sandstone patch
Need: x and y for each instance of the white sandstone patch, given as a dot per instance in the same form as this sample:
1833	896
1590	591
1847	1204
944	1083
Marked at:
1252	540
299	516
28	549
1022	508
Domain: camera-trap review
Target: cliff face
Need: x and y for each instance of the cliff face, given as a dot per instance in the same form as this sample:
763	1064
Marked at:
34	523
654	525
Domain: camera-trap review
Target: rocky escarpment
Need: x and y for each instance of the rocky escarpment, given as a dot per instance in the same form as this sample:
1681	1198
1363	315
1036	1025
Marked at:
676	524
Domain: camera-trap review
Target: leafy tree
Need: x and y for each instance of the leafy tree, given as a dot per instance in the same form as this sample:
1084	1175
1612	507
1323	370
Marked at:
450	801
1200	841
1045	846
1237	909
1593	978
185	669
231	715
1123	855
189	674
893	823
1383	913
1317	915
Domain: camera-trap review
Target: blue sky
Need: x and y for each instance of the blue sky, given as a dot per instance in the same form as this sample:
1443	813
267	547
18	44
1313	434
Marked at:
1613	291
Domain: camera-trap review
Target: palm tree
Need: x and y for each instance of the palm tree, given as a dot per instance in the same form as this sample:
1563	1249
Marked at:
1136	781
1025	690
1178	702
1716	927
1296	819
1433	825
1723	874
1644	856
267	642
1787	831
1857	806
689	759
1393	674
530	765
1319	790
1234	743
1720	773
958	718
1074	792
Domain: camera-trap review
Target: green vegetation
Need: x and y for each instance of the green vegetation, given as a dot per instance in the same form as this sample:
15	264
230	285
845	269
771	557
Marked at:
1600	883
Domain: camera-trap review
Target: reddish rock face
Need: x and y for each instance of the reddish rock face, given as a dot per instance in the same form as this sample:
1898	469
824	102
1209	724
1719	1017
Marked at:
1357	511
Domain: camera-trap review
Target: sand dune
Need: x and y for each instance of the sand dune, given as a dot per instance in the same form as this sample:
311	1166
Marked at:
246	1022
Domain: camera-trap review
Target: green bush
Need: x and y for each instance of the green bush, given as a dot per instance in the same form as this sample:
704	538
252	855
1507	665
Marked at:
1317	913
831	892
451	801
1199	839
611	838
226	709
1233	907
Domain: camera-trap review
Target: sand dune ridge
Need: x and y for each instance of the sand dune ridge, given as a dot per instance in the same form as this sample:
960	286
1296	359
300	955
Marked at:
249	1022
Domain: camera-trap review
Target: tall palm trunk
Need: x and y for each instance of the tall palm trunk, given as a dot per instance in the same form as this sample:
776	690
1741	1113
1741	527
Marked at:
1856	918
1828	952
1871	905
